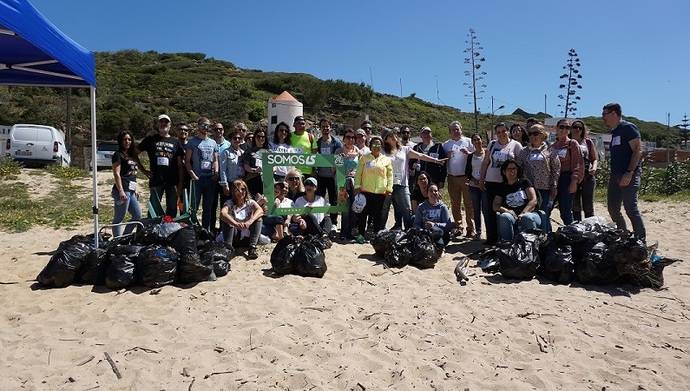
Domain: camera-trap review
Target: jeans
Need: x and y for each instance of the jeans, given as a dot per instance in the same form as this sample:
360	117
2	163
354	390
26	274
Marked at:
507	224
349	218
628	197
269	223
459	193
131	204
584	198
402	208
478	201
170	192
313	227
489	214
371	212
205	190
441	236
328	184
565	197
231	235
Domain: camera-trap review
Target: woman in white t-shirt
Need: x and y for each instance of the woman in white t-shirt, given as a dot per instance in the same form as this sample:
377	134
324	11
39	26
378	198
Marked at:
242	216
498	152
317	223
281	144
400	198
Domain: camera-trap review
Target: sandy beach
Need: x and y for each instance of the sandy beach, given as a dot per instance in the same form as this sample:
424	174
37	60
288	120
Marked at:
361	327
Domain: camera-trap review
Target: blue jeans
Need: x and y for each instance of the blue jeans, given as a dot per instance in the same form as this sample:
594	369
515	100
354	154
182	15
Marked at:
565	197
479	199
628	197
402	208
349	218
507	224
584	198
205	190
131	204
546	208
268	224
170	192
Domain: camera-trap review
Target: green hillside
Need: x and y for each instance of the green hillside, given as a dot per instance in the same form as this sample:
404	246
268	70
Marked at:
134	87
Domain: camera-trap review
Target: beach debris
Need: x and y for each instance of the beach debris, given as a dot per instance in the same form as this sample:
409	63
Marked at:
462	271
542	343
116	371
86	360
218	255
646	312
414	247
156	265
219	373
520	259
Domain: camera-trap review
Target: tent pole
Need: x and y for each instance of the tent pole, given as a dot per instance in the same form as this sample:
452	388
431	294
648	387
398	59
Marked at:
94	166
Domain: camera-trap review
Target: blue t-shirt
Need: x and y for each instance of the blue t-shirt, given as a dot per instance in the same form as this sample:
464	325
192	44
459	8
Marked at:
202	155
621	153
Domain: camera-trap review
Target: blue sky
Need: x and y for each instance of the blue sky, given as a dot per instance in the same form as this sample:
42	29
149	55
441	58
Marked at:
631	52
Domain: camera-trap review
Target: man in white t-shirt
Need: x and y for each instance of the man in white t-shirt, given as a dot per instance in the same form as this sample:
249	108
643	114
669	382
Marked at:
457	149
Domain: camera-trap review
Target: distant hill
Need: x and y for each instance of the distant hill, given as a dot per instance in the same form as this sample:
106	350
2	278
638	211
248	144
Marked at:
134	87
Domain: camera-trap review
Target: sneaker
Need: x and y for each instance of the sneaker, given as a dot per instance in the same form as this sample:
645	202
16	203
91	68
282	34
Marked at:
360	239
251	254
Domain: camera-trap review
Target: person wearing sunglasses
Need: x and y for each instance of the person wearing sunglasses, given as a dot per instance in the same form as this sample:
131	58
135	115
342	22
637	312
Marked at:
373	179
405	136
252	163
325	176
302	141
242	218
201	160
294	183
572	169
624	181
584	197
230	163
541	167
498	152
166	156
350	154
361	142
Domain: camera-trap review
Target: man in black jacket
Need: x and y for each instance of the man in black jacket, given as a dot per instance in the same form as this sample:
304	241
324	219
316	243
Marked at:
437	172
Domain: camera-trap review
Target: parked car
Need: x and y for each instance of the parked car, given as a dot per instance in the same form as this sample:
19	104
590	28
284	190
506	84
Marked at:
104	153
37	144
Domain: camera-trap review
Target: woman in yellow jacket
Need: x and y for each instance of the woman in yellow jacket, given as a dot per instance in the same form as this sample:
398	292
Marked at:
374	180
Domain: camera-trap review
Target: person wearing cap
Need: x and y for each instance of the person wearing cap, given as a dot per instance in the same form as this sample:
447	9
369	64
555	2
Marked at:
318	223
327	145
302	142
274	226
437	172
361	142
201	161
457	148
374	179
165	155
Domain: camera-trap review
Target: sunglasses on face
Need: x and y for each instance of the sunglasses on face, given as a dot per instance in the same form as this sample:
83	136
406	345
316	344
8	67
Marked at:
367	128
292	179
204	126
237	138
578	127
219	129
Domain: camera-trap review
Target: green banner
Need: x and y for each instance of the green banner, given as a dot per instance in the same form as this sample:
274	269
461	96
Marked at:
272	159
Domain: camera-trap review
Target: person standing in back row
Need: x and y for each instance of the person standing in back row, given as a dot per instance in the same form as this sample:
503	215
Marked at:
457	149
201	161
436	172
165	161
327	145
624	181
302	142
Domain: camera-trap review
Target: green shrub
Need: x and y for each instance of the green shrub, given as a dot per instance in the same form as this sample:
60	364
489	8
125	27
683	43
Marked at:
9	168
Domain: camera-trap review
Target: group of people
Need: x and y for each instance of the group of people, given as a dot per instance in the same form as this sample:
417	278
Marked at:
513	180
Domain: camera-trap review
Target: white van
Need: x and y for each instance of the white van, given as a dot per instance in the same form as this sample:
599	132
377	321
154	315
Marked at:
37	144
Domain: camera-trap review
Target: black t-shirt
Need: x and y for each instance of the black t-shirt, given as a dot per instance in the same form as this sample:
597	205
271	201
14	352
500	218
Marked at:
163	153
417	195
621	153
128	168
515	196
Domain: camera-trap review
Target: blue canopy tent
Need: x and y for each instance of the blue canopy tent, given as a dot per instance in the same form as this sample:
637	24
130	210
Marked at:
33	52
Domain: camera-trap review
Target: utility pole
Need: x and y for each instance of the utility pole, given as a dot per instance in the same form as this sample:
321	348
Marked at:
545	104
438	97
371	78
401	95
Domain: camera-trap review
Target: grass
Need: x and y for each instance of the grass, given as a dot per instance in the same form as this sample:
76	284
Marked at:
67	172
9	168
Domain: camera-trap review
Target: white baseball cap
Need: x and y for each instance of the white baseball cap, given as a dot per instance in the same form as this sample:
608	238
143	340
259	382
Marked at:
164	116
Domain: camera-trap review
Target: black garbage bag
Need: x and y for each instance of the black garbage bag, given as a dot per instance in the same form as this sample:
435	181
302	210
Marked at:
191	268
184	241
520	259
219	256
156	266
93	268
557	262
384	240
656	278
149	233
203	236
64	264
309	259
398	256
422	248
283	255
596	266
120	271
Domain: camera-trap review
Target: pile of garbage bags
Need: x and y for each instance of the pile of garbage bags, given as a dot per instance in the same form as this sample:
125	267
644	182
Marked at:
158	254
300	255
588	252
414	247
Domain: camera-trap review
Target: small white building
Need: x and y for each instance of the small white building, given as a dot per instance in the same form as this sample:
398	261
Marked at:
283	108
